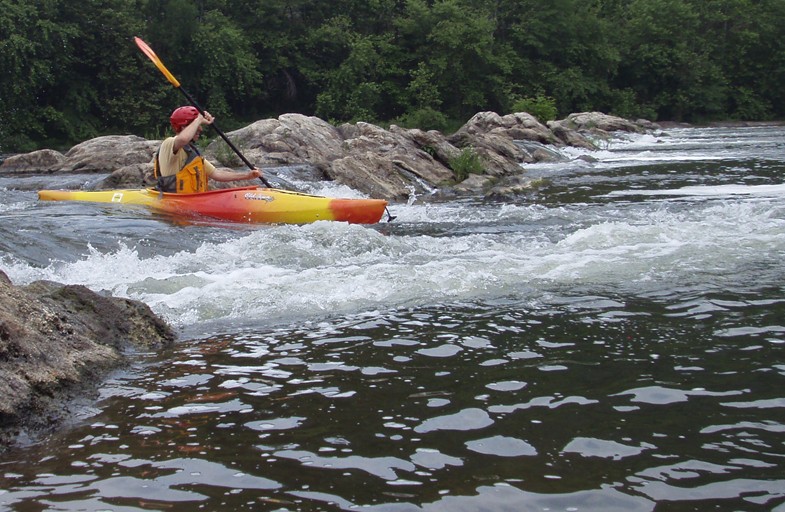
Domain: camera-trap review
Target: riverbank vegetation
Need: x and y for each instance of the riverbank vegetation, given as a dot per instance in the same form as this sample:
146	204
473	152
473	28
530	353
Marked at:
72	72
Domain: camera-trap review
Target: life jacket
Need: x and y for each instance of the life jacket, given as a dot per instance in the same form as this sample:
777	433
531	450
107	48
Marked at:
189	179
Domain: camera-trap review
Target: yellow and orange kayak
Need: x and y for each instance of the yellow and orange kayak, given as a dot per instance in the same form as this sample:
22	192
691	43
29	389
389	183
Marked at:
244	204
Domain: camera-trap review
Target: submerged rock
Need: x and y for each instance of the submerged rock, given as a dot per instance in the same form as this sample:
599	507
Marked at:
57	341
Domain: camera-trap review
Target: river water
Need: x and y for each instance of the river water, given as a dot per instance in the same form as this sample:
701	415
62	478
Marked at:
615	341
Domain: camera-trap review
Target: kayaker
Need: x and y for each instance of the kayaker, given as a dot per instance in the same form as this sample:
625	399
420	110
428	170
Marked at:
179	166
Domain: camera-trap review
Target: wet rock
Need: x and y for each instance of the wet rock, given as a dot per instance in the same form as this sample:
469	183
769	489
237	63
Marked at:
56	342
573	138
414	163
432	142
382	163
474	184
513	187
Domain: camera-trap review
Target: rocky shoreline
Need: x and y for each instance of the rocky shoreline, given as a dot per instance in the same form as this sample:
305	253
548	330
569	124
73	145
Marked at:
394	164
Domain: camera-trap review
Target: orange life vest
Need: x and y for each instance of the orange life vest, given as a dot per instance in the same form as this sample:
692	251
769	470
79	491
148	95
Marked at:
189	179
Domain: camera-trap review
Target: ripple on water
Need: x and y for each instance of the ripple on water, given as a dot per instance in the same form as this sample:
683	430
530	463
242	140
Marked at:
502	446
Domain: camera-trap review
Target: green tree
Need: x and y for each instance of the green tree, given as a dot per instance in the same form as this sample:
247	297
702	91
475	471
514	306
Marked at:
31	40
70	70
668	61
565	49
227	68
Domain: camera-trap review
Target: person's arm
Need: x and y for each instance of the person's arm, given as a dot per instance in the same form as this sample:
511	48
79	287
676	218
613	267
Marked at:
227	175
187	134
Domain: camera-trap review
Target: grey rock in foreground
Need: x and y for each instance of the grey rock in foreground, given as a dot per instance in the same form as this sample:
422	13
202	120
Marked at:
57	342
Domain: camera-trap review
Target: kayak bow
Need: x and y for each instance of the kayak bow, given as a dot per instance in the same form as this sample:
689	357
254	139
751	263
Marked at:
243	204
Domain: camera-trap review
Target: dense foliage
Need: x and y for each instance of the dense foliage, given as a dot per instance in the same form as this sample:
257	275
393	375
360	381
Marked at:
70	70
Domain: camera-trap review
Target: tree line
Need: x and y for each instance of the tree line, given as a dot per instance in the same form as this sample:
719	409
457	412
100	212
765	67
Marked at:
69	71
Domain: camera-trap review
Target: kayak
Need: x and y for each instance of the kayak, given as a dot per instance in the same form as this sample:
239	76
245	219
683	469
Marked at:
242	204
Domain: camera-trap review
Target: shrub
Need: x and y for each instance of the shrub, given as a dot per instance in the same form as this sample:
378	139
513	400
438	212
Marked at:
467	162
424	119
541	107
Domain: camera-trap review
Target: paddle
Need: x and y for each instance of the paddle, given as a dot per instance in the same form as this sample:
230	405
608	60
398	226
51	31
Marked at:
172	80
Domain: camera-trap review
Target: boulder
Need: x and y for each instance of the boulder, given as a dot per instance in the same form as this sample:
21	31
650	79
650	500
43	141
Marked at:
573	138
499	152
375	175
109	153
474	184
432	142
511	188
290	139
521	126
57	341
415	164
130	176
41	161
592	121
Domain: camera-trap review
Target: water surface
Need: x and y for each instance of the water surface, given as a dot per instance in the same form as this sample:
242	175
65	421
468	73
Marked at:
611	342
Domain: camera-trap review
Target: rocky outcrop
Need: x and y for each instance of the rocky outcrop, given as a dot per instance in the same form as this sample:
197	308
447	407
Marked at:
393	164
599	123
55	341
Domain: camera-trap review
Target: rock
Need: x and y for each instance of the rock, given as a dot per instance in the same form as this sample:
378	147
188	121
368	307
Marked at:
130	176
500	154
512	187
474	184
381	163
432	142
58	340
393	164
520	126
375	175
586	121
44	160
109	153
573	138
415	164
290	139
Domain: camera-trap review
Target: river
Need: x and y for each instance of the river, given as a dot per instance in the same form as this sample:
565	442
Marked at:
615	341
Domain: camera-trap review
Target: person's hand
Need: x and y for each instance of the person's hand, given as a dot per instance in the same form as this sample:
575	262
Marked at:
254	173
207	118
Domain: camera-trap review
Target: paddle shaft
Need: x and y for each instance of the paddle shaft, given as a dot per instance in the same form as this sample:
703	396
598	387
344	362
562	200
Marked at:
160	65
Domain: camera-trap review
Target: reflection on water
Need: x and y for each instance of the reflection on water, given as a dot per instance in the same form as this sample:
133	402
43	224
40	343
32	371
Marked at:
607	403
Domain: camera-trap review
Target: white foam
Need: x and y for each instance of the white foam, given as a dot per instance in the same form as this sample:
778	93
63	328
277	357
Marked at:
308	272
709	191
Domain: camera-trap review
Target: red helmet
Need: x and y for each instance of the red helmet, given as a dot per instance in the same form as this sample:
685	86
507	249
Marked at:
182	117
